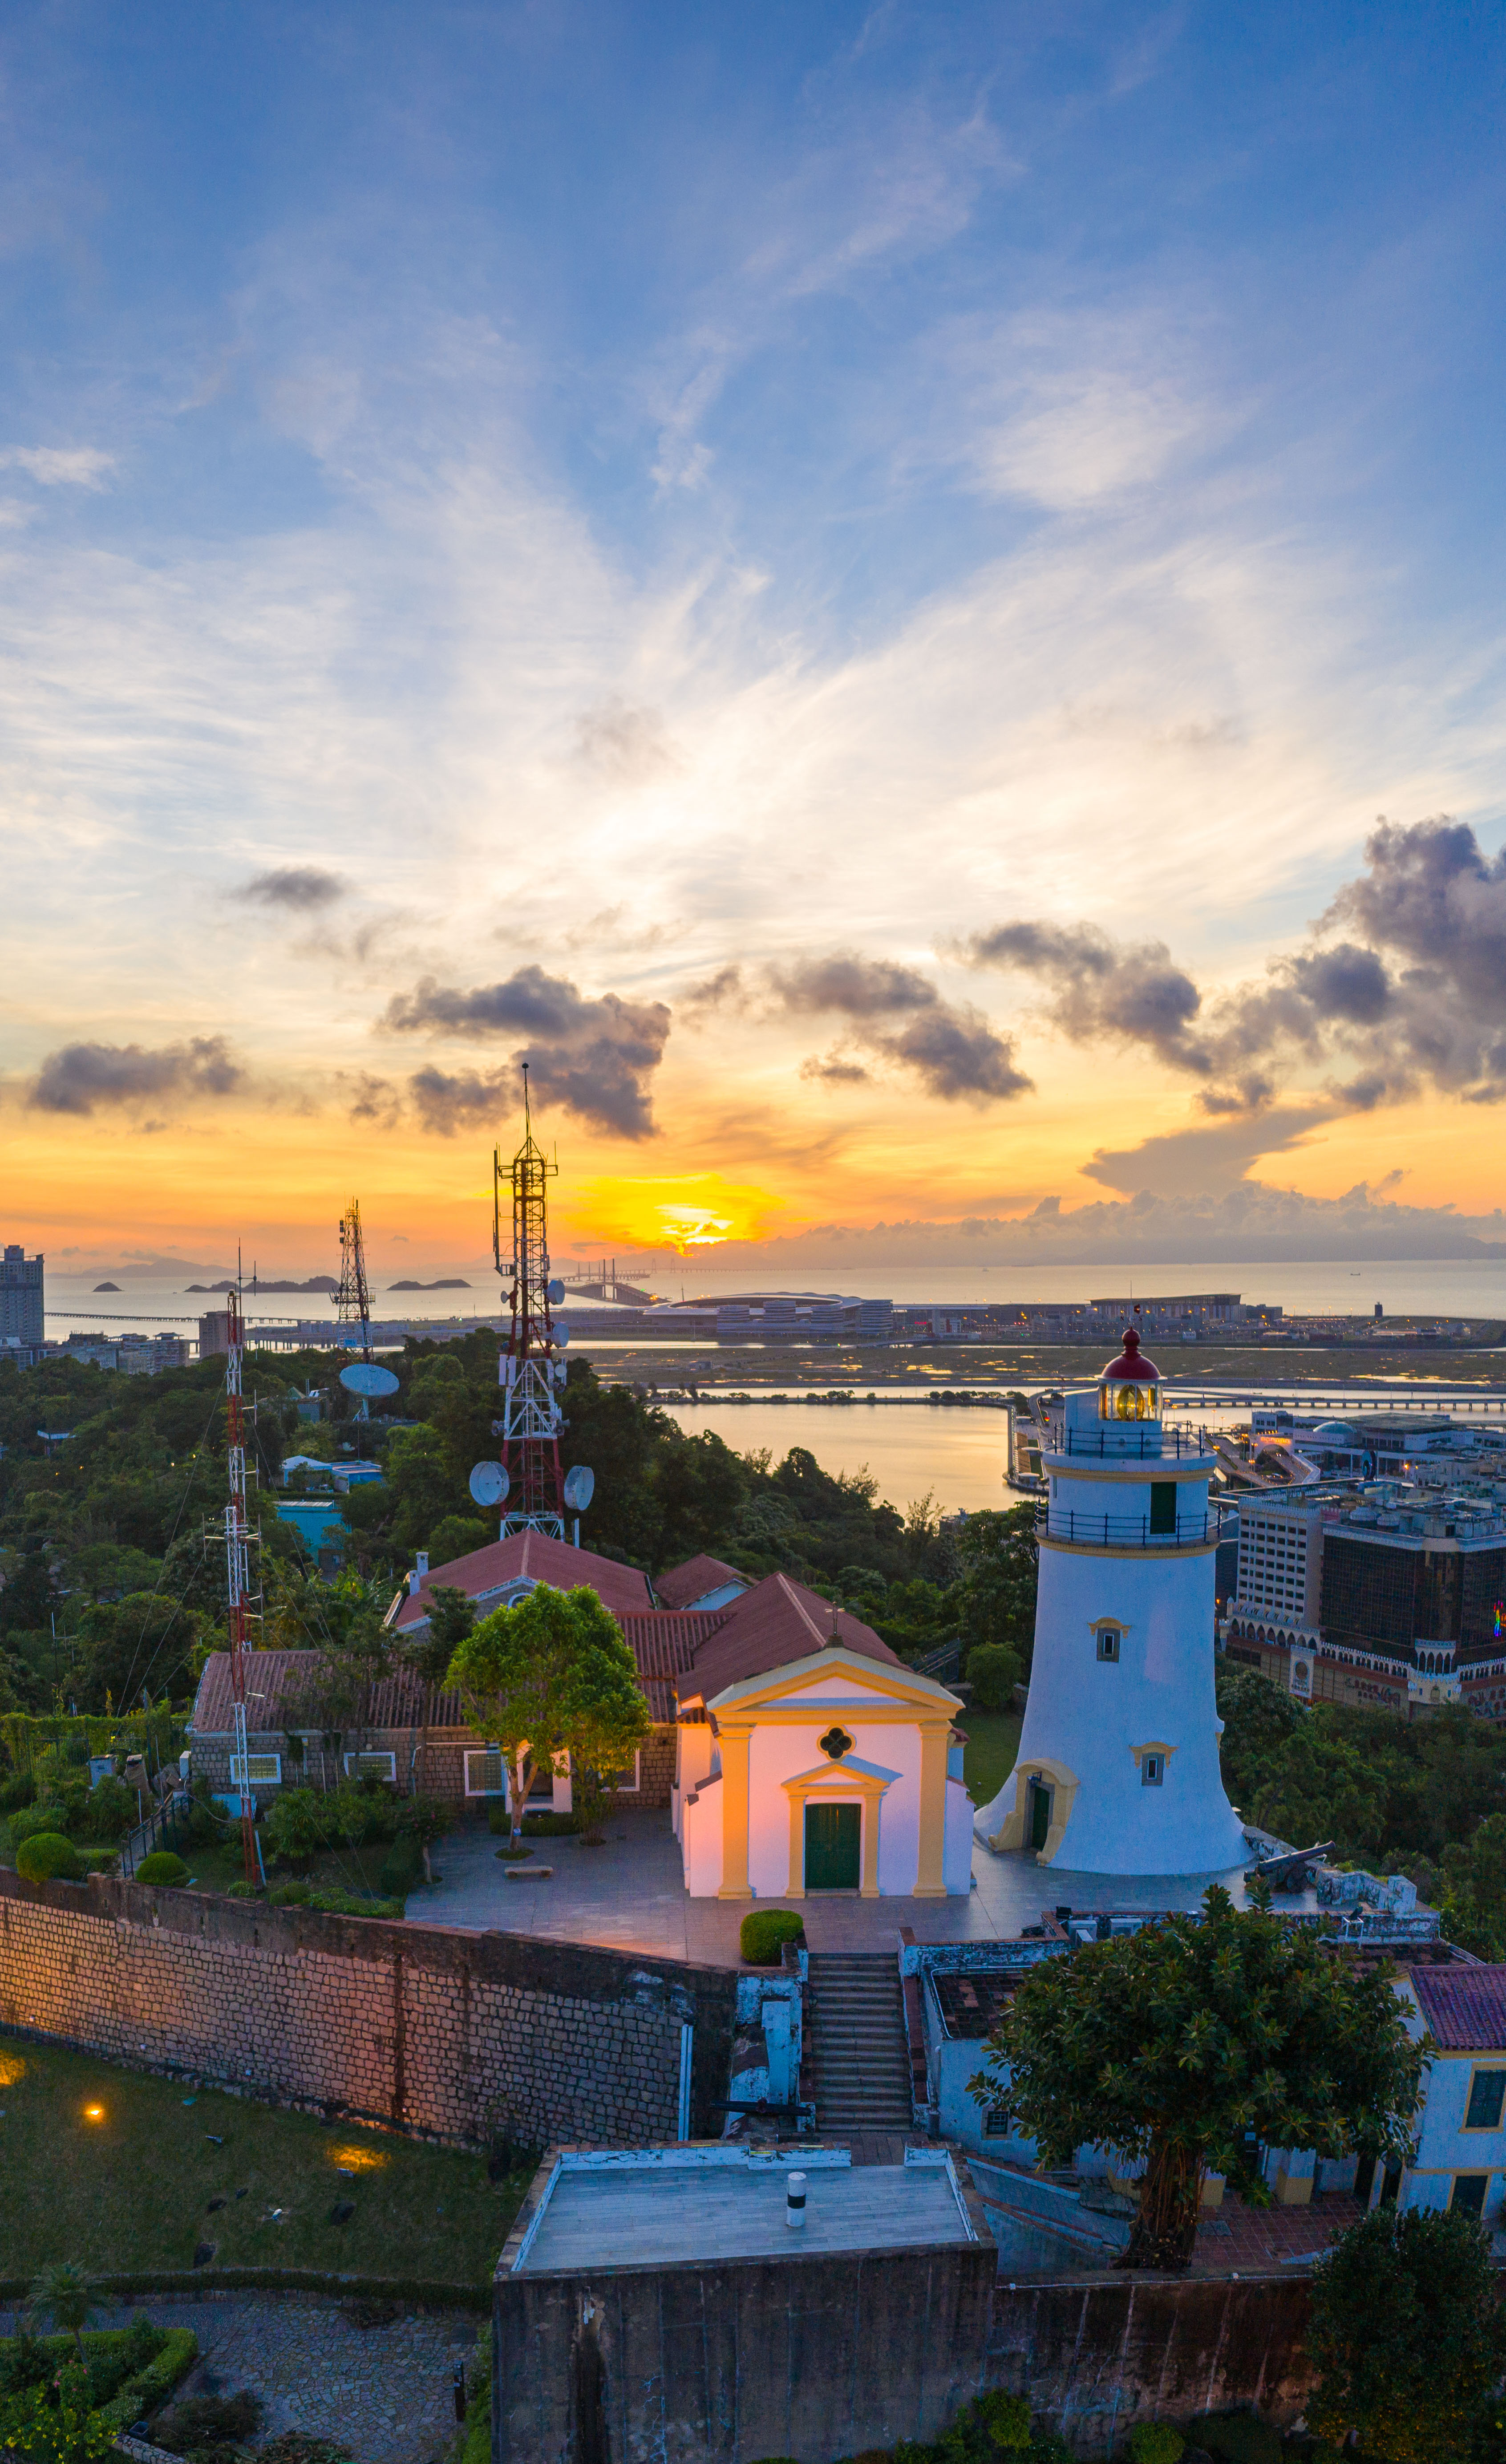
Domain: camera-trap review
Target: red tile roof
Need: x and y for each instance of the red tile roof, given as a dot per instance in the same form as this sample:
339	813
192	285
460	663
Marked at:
664	1644
776	1622
1465	2007
684	1584
274	1681
484	1570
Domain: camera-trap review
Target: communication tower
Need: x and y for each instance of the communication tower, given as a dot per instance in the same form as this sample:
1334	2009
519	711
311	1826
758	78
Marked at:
237	1573
353	1300
531	1368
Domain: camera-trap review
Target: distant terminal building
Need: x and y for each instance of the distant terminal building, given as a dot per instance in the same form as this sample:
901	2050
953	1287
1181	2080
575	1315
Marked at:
137	1355
22	1307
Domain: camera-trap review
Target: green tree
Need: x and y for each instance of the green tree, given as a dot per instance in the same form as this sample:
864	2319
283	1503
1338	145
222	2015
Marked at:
1320	1787
1173	2044
554	1674
1474	1890
63	2294
294	1830
422	1820
1257	1717
1406	2330
995	1593
451	1617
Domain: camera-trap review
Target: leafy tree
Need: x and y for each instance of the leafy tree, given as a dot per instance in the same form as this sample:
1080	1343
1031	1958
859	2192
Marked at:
423	1819
1176	2044
1406	2332
457	1535
554	1674
451	1617
995	1593
295	1829
63	2294
993	1673
1473	1880
1257	1717
1322	1788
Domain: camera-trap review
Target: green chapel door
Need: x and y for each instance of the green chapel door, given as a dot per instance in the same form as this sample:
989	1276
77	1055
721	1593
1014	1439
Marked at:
833	1847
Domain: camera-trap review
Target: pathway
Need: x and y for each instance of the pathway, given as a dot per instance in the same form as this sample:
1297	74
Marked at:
630	1895
386	2392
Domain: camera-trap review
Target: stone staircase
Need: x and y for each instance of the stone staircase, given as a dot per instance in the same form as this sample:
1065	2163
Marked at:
857	2063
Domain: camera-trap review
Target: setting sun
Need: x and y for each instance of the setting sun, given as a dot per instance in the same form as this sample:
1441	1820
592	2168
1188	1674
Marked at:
682	1211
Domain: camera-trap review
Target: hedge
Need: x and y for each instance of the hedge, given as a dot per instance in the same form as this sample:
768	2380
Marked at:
143	2393
164	1868
765	1931
47	1856
15	2290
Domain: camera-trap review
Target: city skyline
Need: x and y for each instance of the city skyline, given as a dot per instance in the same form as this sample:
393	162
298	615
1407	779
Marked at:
904	603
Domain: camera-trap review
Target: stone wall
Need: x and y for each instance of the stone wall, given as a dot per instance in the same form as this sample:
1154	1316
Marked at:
830	2356
456	2036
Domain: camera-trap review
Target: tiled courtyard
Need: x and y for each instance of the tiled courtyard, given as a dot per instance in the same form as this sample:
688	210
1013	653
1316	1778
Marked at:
630	1895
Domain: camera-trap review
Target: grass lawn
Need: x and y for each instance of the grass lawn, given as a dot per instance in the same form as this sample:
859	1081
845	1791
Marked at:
992	1742
131	2191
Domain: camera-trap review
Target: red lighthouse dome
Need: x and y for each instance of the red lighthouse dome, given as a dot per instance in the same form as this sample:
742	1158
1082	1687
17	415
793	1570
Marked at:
1131	1363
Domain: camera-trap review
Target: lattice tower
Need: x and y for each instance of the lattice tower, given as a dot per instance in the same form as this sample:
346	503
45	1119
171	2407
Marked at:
353	1300
531	1368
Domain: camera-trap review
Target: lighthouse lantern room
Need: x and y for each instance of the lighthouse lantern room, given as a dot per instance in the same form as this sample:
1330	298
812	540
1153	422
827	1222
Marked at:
1118	1767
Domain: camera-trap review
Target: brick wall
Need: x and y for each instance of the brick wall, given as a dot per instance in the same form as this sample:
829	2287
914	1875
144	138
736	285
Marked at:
450	2035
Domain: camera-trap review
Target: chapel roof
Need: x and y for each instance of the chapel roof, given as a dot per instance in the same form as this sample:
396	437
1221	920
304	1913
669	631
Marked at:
534	1556
776	1622
686	1584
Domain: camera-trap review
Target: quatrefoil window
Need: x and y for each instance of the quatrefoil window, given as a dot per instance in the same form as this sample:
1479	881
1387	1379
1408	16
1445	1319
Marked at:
836	1743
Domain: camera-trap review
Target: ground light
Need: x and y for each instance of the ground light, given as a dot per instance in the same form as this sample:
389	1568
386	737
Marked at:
94	2113
359	2160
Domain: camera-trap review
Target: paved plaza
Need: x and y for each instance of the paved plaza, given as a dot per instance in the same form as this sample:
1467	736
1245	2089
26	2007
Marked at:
630	1895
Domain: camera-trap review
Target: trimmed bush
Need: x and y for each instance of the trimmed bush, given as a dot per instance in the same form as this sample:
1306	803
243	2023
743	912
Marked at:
150	2387
550	1826
1155	2442
346	1904
207	2421
764	1933
162	1867
33	1819
402	1869
992	1673
47	1856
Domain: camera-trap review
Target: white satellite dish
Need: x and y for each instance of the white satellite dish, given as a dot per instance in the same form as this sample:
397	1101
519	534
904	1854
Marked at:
365	1378
561	1335
554	1292
488	1484
579	1489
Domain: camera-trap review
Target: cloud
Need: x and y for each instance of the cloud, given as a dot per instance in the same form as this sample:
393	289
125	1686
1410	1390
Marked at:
1428	900
834	1071
301	886
81	1076
1209	1160
60	466
592	1056
623	745
953	1051
372	1099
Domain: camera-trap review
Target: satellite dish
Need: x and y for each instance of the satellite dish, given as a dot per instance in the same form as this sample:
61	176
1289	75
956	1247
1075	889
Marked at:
561	1335
554	1292
488	1484
365	1378
579	1489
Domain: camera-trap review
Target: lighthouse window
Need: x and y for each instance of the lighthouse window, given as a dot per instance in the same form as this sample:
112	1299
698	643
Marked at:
1107	1643
1153	1769
1163	1505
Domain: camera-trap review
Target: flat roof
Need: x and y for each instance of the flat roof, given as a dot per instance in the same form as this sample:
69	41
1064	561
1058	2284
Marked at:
684	2206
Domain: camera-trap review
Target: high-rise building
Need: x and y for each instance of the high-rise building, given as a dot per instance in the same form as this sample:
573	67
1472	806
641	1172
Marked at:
22	1309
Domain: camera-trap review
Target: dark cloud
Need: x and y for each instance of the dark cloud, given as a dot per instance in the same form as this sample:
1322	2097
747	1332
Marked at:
82	1076
956	1052
592	1056
857	987
373	1099
301	886
836	1073
1414	997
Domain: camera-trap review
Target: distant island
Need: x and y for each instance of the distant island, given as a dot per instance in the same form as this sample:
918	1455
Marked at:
446	1284
315	1283
107	1287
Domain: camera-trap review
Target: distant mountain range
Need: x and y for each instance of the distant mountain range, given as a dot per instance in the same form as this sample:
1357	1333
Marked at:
446	1284
315	1283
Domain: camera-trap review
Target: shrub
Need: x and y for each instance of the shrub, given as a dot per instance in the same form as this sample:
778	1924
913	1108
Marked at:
163	1868
402	1869
289	1895
109	1810
177	2351
763	1932
550	1826
346	1904
1155	2442
16	1792
992	1673
240	1889
37	1818
207	2421
1236	2438
295	1830
47	1856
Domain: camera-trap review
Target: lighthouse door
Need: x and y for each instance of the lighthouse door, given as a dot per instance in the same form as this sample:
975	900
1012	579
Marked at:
1039	1813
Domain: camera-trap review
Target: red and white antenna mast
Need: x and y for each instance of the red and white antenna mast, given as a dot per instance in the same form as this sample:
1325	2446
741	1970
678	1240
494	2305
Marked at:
531	1368
237	1573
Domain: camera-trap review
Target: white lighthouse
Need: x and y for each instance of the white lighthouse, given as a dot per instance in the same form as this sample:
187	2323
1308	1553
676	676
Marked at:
1118	1766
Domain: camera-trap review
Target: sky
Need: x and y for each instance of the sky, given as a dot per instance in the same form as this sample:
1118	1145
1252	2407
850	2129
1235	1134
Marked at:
904	600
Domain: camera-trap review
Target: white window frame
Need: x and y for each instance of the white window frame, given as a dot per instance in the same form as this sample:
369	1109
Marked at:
358	1765
250	1770
485	1753
631	1787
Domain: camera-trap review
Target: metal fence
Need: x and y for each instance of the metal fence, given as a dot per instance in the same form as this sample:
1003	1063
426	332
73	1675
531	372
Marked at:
1125	1530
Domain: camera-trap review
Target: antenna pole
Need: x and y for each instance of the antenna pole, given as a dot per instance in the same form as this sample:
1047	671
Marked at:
353	1300
237	1582
530	1369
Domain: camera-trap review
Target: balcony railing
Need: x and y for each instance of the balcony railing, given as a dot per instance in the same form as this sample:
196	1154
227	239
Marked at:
1124	1530
1124	1443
